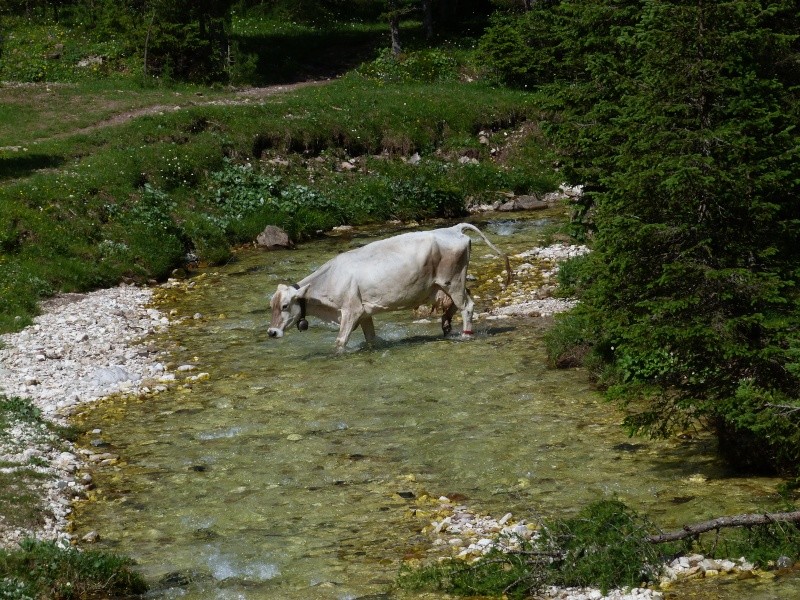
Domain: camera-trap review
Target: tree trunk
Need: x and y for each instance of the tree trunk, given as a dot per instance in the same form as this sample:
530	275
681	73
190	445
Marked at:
427	18
720	522
147	40
394	28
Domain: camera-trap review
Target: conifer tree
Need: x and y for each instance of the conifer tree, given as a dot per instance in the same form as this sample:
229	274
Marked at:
693	296
595	64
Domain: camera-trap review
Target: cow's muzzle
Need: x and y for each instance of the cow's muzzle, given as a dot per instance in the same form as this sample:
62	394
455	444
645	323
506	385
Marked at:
274	332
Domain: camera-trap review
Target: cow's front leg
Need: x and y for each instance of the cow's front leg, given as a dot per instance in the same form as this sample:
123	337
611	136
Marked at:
368	327
348	321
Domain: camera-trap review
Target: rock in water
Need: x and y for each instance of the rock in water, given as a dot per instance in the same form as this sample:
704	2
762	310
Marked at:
273	238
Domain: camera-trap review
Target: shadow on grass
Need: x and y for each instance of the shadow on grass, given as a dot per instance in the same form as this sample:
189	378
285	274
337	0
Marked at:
21	166
289	58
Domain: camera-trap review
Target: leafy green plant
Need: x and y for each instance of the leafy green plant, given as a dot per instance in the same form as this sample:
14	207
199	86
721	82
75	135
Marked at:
18	409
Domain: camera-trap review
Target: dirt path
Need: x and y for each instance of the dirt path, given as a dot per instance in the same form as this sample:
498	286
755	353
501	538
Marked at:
245	96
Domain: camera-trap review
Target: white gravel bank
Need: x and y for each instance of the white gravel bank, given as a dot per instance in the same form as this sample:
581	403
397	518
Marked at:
83	347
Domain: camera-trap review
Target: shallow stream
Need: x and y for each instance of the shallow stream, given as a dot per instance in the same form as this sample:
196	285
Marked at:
288	473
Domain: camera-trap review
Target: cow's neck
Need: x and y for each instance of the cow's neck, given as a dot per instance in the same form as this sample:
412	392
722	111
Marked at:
303	304
316	303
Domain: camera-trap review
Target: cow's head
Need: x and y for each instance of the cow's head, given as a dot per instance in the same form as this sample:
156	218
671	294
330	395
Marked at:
288	307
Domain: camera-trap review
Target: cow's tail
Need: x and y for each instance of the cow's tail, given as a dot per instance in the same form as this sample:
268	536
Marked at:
509	273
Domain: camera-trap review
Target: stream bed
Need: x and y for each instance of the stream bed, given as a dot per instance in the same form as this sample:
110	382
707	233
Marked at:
287	473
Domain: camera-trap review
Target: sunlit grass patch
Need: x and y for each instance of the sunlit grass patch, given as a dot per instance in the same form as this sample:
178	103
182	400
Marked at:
44	570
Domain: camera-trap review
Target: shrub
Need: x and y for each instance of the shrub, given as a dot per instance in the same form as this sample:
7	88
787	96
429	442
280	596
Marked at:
424	66
604	546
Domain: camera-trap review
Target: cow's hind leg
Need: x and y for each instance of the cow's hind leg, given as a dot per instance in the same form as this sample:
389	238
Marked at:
368	327
447	316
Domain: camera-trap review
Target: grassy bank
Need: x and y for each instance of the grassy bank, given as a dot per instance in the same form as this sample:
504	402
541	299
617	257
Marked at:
43	570
89	201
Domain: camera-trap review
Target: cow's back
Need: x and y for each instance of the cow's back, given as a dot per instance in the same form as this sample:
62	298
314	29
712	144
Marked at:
402	271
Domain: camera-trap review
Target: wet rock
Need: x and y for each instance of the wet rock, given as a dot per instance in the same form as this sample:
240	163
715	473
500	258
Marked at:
523	203
91	537
273	238
182	579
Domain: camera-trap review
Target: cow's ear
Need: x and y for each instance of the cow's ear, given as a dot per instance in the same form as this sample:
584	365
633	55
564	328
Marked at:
301	292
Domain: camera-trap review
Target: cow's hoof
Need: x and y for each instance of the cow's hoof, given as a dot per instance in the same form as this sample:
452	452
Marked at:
467	335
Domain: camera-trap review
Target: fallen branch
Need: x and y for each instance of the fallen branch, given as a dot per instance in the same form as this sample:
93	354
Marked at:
720	522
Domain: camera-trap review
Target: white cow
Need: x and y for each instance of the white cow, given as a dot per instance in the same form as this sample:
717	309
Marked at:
404	271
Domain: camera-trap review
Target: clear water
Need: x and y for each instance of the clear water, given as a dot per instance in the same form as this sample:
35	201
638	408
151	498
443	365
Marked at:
278	478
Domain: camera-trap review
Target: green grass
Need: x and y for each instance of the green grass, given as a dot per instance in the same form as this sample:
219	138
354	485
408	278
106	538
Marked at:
20	503
45	50
17	409
32	113
86	210
42	570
